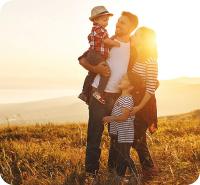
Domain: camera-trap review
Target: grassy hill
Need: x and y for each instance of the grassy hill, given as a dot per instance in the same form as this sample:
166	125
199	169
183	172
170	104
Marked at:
51	154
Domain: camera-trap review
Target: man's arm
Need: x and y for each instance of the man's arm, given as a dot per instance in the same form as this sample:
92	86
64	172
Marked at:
101	68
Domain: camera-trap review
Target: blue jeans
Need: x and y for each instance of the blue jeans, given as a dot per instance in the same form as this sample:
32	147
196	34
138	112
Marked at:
95	129
123	159
140	144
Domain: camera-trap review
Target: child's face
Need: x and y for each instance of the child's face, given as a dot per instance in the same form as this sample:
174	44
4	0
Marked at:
124	83
102	20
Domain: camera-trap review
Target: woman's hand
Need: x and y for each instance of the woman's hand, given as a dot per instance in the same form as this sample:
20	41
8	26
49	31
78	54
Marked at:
152	128
145	99
134	110
107	119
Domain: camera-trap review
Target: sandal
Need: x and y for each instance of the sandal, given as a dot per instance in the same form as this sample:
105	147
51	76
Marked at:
98	97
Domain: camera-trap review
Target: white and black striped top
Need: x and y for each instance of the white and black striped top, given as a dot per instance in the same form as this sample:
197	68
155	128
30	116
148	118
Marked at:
124	130
148	70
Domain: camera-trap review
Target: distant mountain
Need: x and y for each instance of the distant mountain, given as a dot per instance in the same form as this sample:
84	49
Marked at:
69	109
187	80
173	97
193	115
178	96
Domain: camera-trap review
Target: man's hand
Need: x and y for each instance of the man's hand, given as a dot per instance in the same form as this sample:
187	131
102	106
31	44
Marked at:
102	69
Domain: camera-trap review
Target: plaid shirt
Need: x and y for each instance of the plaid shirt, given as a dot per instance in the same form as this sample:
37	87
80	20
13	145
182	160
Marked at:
96	37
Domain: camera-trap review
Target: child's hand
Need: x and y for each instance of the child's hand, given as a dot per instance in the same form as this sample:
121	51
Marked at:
117	44
107	119
113	37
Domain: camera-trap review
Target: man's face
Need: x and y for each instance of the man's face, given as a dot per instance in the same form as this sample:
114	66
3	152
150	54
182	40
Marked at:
123	26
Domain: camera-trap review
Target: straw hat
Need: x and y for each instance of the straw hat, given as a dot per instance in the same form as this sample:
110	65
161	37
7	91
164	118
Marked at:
98	11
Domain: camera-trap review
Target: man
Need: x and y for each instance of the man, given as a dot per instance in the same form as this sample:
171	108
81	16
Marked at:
119	64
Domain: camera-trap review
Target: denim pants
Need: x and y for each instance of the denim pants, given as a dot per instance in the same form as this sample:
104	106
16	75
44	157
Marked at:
95	129
124	160
140	144
119	157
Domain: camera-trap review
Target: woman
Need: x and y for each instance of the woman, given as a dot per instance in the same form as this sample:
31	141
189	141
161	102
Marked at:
144	71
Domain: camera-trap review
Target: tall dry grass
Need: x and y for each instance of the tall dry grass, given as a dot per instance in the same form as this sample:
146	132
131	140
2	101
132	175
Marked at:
53	154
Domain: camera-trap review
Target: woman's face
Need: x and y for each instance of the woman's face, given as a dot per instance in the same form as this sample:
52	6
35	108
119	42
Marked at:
143	41
138	40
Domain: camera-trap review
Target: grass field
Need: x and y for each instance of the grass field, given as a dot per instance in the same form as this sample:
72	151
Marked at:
51	154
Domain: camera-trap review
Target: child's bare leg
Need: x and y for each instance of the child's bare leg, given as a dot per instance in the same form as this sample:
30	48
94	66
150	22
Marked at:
101	87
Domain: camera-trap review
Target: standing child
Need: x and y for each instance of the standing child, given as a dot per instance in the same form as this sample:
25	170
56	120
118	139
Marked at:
122	128
98	51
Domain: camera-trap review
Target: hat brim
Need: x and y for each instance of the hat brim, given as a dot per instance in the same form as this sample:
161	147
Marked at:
93	17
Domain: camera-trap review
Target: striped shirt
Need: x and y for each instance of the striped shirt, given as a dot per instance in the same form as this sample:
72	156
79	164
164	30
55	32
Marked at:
124	130
148	70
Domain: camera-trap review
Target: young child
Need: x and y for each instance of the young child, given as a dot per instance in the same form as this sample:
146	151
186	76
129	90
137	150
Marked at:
122	128
98	51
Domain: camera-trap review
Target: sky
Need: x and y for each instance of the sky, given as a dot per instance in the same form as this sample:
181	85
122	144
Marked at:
40	40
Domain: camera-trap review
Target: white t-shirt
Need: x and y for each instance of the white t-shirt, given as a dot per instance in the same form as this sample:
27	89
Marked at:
118	63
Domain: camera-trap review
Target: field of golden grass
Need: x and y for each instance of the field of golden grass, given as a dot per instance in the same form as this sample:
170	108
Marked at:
51	154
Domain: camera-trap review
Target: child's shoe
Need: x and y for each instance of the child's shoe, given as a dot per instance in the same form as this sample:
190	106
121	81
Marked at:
98	97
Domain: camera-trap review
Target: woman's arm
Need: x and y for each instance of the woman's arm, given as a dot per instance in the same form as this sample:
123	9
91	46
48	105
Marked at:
151	84
143	102
123	117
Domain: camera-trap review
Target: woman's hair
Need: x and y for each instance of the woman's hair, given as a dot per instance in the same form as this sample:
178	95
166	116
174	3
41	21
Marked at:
148	36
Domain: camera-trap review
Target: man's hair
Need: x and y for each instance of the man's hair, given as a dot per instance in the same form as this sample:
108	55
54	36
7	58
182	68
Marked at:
132	18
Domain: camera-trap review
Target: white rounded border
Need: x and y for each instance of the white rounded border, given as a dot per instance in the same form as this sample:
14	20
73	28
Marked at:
2	182
197	182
